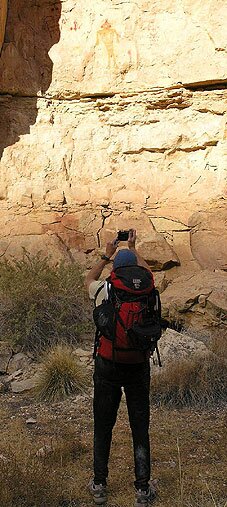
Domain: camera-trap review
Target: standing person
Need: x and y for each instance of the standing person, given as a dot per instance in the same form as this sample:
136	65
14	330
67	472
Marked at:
128	370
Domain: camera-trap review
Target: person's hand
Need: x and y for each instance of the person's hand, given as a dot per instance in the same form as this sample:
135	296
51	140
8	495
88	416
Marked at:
111	247
132	238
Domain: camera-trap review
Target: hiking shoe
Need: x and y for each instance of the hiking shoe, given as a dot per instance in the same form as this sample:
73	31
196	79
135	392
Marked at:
98	491
145	498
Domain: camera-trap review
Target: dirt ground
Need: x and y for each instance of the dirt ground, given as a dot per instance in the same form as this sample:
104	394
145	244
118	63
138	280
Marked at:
48	462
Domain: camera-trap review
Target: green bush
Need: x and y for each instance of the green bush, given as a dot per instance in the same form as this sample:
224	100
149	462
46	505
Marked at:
41	304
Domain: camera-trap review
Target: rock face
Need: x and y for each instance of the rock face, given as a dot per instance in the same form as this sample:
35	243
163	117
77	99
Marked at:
209	237
151	244
3	15
104	46
114	114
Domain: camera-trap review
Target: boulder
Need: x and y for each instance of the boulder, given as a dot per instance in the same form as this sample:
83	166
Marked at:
209	238
18	362
174	346
5	356
21	386
198	302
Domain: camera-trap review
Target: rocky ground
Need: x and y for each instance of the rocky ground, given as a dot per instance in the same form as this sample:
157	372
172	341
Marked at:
20	372
48	449
57	440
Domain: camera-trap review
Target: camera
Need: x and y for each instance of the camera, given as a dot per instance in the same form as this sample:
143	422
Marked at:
122	235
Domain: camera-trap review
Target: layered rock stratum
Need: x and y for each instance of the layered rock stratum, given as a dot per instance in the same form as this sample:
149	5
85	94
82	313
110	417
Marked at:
113	114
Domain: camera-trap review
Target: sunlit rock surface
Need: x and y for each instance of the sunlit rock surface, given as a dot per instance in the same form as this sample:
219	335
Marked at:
114	115
107	46
176	347
198	302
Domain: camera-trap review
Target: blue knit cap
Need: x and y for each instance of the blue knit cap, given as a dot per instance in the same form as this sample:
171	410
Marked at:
124	257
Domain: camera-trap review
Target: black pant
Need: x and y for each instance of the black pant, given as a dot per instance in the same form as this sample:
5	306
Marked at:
108	381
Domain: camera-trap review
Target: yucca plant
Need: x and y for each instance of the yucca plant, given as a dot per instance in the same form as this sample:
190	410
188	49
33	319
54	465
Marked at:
61	375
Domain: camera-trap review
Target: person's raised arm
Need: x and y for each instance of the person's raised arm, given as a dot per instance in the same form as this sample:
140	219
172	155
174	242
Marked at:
97	269
132	246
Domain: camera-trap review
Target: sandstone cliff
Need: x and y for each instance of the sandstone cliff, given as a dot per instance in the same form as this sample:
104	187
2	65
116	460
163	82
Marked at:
3	15
114	114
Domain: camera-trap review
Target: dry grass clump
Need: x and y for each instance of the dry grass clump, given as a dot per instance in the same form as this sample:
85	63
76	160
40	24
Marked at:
201	381
218	346
23	479
41	304
61	375
28	481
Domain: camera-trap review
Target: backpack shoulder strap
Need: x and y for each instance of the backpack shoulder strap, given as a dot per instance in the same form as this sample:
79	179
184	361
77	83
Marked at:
106	284
98	292
158	308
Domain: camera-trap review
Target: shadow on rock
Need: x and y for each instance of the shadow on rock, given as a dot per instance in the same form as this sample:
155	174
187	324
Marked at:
25	66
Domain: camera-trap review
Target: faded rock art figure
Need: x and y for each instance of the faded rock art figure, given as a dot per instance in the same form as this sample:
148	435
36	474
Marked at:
108	37
3	16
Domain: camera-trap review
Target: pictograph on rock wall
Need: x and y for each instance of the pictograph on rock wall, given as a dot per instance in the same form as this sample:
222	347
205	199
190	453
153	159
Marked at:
109	37
111	107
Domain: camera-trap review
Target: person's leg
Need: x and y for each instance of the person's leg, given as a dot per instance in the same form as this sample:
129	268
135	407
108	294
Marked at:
137	397
107	396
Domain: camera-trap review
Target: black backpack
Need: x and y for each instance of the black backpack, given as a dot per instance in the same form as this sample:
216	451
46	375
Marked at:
131	315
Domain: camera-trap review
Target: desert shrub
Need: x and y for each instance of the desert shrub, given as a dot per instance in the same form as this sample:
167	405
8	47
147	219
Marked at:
40	303
201	381
62	374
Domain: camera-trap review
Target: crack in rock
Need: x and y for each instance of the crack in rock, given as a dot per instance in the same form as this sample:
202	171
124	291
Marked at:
105	214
